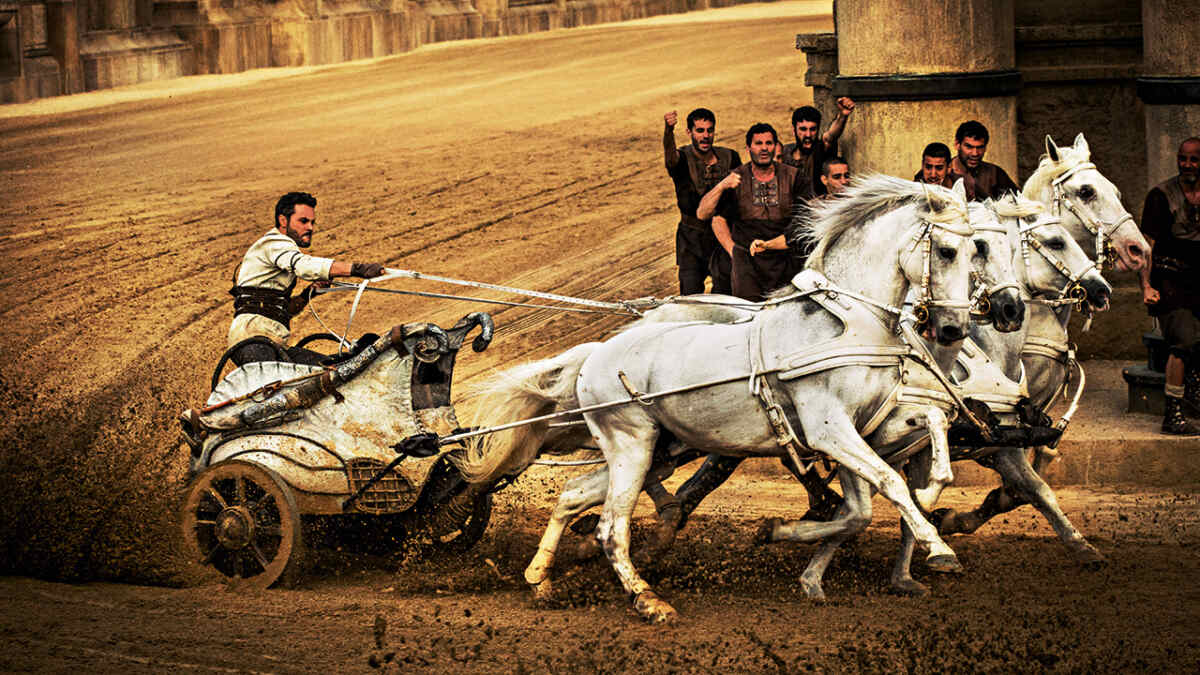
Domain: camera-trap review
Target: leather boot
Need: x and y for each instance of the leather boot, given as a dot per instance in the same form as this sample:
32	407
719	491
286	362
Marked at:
1175	422
1191	389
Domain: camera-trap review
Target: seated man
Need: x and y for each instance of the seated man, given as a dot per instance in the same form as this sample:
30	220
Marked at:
935	166
263	305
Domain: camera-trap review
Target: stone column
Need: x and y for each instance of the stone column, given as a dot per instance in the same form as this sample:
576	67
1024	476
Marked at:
919	68
1170	82
62	37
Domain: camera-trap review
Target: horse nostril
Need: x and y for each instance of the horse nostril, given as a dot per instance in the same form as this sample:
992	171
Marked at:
951	332
1010	311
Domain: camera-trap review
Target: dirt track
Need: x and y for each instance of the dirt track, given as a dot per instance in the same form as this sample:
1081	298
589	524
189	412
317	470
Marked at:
531	162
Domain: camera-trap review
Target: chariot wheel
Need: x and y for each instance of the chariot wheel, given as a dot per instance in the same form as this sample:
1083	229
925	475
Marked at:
241	519
471	530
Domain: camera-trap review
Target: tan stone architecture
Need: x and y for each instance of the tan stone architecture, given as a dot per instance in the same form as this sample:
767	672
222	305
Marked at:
1125	73
54	47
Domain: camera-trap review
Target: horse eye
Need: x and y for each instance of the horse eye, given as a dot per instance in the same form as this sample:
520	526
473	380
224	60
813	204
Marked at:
981	248
946	252
1056	244
1087	193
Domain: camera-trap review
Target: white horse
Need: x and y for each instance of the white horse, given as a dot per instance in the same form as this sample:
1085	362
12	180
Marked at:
994	260
885	236
1089	205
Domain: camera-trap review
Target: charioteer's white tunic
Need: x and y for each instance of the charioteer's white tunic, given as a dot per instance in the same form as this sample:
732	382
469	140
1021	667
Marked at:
274	262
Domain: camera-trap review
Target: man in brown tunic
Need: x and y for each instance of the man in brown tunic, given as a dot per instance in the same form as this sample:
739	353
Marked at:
755	202
811	148
935	166
695	169
982	179
1171	222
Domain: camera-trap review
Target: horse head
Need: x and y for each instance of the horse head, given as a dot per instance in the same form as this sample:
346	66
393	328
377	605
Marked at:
1052	265
937	261
997	286
1088	204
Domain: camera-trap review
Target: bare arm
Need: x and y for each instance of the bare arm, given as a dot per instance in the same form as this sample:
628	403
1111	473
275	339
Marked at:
1150	295
708	203
845	106
670	154
720	228
777	244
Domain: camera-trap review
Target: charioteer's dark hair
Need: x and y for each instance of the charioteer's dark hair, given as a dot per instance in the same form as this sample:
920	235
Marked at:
806	114
972	128
760	128
286	205
936	150
701	114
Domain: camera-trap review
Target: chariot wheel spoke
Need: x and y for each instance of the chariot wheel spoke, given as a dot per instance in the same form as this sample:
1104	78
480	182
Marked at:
212	553
259	556
212	492
241	491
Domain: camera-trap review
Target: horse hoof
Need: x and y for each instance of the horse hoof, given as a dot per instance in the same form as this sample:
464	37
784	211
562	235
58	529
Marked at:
945	563
945	520
812	590
541	592
766	531
910	587
1091	558
653	608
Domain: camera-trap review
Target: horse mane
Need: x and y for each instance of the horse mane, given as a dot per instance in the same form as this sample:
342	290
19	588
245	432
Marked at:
1048	169
822	222
1017	207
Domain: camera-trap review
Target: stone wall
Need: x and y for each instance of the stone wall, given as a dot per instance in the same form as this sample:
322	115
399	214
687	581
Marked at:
53	47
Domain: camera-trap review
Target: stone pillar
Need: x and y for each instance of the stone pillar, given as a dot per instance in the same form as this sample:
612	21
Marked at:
919	68
62	37
1170	82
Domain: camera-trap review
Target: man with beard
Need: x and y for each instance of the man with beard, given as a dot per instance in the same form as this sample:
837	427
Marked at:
935	166
809	152
1171	223
263	304
754	202
695	169
982	179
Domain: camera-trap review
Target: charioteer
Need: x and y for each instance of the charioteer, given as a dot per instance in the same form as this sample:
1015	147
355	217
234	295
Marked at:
263	303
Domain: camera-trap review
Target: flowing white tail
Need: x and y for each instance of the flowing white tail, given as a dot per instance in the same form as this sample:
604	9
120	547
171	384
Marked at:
519	393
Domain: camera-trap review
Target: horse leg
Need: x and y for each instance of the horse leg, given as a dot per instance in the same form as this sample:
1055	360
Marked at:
902	581
999	500
715	470
629	458
940	473
579	494
669	516
833	433
1014	465
823	502
855	516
